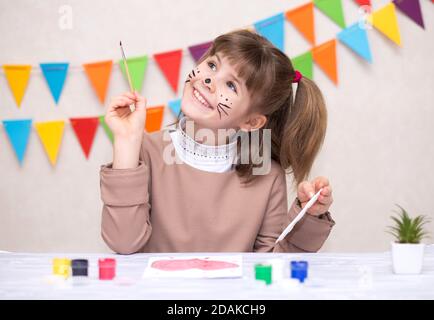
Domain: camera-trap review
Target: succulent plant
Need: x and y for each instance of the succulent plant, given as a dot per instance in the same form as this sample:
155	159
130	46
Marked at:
408	230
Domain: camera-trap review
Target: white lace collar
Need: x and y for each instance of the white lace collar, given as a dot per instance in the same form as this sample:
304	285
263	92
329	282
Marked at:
201	156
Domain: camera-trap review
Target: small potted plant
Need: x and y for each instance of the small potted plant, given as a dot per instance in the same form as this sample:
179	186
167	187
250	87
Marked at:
407	251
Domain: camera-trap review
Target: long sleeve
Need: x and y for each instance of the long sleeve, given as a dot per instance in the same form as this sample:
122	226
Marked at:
308	235
125	224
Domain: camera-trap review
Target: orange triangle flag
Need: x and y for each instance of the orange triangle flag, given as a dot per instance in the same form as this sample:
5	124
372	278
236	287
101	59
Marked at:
99	76
154	118
302	18
169	63
325	56
85	129
18	77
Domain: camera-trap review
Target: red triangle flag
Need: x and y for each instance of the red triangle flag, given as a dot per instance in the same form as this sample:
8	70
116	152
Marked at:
169	63
364	2
85	129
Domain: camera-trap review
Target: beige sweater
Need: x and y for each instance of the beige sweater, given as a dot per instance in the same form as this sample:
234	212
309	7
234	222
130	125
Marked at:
158	207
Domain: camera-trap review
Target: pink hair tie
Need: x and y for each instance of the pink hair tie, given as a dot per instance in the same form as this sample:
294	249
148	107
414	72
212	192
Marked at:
297	77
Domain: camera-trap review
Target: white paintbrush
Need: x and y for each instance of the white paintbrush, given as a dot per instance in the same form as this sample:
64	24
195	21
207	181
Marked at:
133	106
299	216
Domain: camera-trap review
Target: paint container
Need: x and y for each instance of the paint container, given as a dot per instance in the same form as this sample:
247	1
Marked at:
263	272
299	270
79	271
62	267
79	267
107	269
278	269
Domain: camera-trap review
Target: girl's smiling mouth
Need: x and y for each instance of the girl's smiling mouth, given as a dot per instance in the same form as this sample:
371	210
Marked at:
201	99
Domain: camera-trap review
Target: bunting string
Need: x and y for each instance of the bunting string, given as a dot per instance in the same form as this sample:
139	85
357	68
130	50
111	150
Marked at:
353	36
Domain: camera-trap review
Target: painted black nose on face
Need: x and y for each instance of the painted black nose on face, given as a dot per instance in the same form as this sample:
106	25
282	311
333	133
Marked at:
207	80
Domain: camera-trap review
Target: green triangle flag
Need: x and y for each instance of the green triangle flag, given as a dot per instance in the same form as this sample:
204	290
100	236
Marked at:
137	68
303	63
106	128
332	9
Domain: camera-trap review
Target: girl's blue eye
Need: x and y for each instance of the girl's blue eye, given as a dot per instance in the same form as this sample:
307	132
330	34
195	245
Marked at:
229	83
232	86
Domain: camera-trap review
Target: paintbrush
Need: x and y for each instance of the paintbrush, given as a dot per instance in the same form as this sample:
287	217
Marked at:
128	74
299	216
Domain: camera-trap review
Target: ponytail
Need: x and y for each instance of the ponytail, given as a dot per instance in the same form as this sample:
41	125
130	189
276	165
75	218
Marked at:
303	130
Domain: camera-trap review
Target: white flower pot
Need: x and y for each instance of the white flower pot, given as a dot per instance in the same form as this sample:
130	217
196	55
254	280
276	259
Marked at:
407	258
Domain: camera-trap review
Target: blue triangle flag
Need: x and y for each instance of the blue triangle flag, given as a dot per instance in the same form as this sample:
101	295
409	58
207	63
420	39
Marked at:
18	132
355	38
272	29
175	106
55	74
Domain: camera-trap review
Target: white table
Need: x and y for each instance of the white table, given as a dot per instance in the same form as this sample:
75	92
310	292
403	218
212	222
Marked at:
331	276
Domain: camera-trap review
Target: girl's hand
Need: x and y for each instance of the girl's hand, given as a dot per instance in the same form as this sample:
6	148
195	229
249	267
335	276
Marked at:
307	190
120	119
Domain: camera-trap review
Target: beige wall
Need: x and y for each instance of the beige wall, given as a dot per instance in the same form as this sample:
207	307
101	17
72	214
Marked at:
378	150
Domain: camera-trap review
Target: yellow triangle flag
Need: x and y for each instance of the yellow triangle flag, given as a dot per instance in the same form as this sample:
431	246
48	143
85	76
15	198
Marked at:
18	77
385	21
51	134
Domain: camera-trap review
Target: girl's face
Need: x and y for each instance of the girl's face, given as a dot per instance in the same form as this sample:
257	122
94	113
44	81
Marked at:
214	96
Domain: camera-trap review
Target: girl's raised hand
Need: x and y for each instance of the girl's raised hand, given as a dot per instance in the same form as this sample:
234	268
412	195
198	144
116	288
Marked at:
307	190
121	120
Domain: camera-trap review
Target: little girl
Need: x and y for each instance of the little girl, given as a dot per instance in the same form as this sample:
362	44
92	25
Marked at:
211	199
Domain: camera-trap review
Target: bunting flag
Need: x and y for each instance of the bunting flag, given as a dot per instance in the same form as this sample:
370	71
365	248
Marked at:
154	118
170	63
303	63
356	39
302	18
198	50
106	128
51	134
18	77
325	56
137	68
385	21
18	132
175	106
85	129
364	2
272	29
55	75
332	9
411	8
99	76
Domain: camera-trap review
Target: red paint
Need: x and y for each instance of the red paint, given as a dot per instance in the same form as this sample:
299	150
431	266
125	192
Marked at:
107	269
179	265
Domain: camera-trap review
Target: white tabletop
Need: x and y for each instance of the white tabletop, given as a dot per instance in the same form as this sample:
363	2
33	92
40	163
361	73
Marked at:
331	276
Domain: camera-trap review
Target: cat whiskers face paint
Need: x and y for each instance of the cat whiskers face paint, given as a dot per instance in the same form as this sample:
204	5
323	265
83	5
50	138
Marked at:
190	77
220	109
221	106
